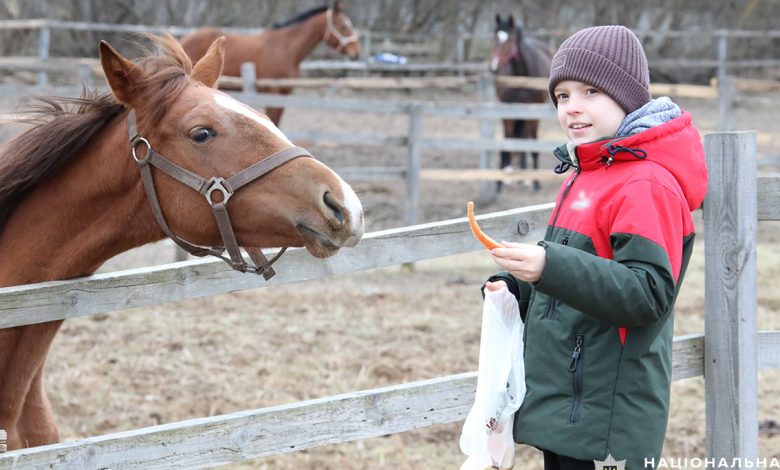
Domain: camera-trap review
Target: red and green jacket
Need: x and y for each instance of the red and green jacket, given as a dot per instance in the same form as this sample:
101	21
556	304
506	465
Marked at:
598	324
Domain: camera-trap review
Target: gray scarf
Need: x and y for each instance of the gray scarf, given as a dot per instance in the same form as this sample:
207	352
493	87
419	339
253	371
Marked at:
654	113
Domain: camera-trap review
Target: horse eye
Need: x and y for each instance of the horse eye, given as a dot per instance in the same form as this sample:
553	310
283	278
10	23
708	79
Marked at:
202	134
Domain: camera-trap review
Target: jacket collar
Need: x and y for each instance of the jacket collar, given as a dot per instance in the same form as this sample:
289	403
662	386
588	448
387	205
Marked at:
674	145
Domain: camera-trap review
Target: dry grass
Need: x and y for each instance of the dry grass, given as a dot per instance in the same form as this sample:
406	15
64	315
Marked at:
258	348
295	342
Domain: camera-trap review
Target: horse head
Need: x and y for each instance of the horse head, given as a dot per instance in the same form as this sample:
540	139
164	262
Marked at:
506	38
340	35
209	134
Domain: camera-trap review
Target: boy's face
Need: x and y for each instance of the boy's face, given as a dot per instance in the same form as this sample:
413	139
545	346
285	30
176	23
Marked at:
585	113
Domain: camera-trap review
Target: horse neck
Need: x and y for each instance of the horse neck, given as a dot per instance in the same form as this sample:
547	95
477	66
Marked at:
70	224
520	62
301	38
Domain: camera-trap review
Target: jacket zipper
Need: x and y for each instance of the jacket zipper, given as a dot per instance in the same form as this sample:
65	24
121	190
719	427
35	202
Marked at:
566	190
553	301
575	367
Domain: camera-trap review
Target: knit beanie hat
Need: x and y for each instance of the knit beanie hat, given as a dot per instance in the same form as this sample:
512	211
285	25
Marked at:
609	58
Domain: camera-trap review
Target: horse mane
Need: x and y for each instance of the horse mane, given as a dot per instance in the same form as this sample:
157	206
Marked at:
541	54
62	126
299	17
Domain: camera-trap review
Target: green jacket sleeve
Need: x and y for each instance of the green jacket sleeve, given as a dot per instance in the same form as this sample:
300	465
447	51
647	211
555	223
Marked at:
637	288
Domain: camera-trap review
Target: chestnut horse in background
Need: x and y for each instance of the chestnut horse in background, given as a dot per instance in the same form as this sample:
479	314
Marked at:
516	55
279	51
72	195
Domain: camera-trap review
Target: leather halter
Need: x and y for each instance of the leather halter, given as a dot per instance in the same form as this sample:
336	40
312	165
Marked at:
344	41
226	186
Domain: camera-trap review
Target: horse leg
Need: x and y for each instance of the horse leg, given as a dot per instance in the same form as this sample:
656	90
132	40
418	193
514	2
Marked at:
530	132
506	157
520	130
23	352
36	425
275	114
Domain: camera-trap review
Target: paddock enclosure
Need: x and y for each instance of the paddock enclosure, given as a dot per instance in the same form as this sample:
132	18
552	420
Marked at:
367	348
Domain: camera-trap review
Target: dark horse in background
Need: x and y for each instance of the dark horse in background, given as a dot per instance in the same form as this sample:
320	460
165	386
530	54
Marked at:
277	52
516	55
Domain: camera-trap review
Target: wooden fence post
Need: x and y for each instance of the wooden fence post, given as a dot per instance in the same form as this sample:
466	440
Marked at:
487	94
726	121
248	77
44	39
730	353
3	441
413	164
86	76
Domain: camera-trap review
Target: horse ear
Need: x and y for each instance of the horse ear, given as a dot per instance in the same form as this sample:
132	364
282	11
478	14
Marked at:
511	21
498	18
208	69
337	7
120	73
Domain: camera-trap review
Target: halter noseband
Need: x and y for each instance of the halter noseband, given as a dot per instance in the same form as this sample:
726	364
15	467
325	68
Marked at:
206	187
344	41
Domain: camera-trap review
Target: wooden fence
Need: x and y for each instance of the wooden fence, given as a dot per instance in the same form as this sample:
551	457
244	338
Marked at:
419	45
488	112
729	358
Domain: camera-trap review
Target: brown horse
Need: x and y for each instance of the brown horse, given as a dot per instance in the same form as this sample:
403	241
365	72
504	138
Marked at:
279	51
72	195
516	55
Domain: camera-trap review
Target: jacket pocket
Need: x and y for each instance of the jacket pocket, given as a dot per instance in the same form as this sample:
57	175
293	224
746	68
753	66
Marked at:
575	367
552	303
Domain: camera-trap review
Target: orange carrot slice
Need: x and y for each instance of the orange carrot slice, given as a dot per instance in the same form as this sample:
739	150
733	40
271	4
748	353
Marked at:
478	233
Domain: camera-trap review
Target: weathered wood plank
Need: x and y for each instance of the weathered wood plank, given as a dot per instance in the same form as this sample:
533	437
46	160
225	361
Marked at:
346	138
688	91
452	110
47	301
449	174
413	165
218	440
769	197
236	437
512	145
688	356
769	349
730	294
369	83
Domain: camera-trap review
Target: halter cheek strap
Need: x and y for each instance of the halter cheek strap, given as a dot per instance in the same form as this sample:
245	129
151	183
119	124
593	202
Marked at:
344	41
207	187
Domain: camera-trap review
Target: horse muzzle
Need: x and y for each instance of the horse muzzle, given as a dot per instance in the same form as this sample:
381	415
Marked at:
341	225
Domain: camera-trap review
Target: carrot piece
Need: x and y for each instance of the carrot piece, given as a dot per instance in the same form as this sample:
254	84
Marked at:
478	233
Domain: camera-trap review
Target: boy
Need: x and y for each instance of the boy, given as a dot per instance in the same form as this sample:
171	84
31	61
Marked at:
597	294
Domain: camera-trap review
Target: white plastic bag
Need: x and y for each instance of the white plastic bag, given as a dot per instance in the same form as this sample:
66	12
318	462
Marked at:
487	433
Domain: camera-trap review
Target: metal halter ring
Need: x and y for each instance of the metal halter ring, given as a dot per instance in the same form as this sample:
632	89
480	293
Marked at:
216	185
134	146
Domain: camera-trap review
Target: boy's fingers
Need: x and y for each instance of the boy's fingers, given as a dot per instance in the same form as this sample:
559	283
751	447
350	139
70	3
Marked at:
494	286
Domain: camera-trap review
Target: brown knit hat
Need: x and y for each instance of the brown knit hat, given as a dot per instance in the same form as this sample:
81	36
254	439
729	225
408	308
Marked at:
610	58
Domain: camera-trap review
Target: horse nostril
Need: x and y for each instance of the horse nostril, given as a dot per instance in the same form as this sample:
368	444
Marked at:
331	202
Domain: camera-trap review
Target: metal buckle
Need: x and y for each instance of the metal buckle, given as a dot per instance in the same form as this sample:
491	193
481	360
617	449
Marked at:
134	145
216	185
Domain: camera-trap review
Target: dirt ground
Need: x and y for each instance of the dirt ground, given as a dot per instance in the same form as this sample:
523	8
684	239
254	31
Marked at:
263	347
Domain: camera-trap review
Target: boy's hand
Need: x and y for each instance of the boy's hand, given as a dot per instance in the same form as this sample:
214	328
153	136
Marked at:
495	286
525	262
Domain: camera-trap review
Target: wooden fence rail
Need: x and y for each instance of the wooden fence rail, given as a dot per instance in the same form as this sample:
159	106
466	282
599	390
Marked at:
730	357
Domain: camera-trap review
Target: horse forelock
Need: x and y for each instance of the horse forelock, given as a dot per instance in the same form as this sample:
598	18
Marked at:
166	75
